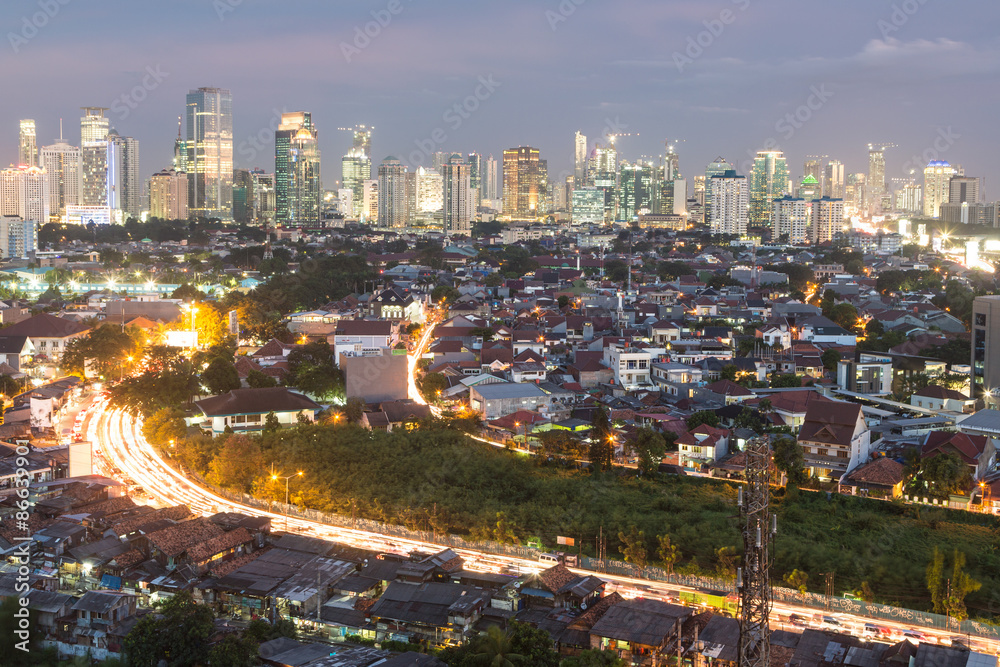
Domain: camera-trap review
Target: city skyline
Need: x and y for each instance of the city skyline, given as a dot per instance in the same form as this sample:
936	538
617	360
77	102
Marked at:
650	90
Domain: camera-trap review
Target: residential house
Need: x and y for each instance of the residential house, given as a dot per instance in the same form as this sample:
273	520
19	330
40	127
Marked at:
638	629
976	451
97	628
881	478
871	375
558	587
247	409
48	334
629	365
936	397
16	351
362	335
495	400
432	611
702	446
835	439
820	329
396	304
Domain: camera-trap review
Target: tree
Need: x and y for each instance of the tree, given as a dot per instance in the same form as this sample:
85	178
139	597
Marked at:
271	423
648	447
503	530
238	463
533	645
787	380
728	372
935	582
727	557
600	441
960	586
830	359
220	376
945	474
593	657
178	633
444	294
260	380
749	419
234	651
798	580
667	553
165	425
431	386
788	458
354	409
495	650
702	417
633	546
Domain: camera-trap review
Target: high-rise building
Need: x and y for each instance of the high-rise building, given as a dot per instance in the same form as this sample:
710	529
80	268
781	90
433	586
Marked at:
588	205
356	168
24	193
827	219
298	188
876	184
579	159
986	348
64	166
253	197
768	181
671	163
102	173
362	142
27	153
833	180
524	184
963	190
475	161
809	188
730	203
410	195
457	196
673	198
814	167
129	183
429	192
18	238
602	172
937	187
854	191
94	125
791	217
370	193
636	190
909	198
489	184
168	195
209	153
392	209
717	167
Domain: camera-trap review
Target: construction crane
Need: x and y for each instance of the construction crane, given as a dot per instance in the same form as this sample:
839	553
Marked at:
612	137
881	146
753	580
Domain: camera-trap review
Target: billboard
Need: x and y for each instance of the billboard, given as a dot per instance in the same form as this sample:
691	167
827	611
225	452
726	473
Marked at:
185	339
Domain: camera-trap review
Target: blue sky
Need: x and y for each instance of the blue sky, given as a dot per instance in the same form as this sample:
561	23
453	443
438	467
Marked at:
723	75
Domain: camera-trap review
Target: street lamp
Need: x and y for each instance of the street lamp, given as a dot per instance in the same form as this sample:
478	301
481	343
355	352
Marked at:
276	478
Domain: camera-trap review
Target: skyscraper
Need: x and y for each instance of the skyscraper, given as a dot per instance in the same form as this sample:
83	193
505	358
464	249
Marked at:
730	203
253	197
457	196
833	180
64	166
602	172
523	183
814	167
27	154
827	219
102	173
490	181
209	153
809	188
475	161
636	190
963	189
392	210
429	192
370	194
297	185
94	125
768	181
168	195
717	167
671	163
791	217
356	168
876	185
579	159
937	187
363	140
129	183
24	193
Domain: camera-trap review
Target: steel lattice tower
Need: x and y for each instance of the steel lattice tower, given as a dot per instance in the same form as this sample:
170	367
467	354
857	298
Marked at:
754	580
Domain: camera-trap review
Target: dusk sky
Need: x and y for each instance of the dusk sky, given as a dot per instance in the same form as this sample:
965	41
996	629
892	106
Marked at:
871	70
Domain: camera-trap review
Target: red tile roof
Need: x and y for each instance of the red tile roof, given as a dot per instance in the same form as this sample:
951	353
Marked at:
969	447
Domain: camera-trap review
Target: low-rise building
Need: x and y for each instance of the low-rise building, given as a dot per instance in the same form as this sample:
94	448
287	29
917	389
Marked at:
835	439
247	409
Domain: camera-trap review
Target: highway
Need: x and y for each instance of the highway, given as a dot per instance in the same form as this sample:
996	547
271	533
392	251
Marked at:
122	452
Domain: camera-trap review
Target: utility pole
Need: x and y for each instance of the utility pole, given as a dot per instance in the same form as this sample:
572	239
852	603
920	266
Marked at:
829	590
753	580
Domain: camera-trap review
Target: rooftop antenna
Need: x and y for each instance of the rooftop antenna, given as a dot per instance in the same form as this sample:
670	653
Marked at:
60	130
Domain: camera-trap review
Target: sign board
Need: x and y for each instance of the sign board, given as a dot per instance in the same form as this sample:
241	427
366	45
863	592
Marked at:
185	339
81	459
234	323
567	541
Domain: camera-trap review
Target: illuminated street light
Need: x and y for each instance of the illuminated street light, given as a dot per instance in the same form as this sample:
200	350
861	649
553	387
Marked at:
276	478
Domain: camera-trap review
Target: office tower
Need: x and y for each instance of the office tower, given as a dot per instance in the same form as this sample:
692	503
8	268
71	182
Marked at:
129	183
937	187
673	198
730	203
544	188
24	193
438	160
429	192
242	192
64	166
876	185
717	167
362	142
209	153
298	188
699	189
94	125
579	159
263	198
827	219
18	238
963	189
490	181
791	217
854	191
356	168
986	348
814	167
768	181
602	172
833	180
370	194
27	154
392	211
588	205
671	163
410	195
809	188
101	182
475	161
523	184
456	194
636	190
168	195
909	198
